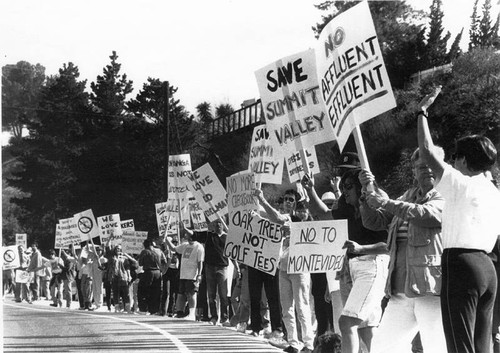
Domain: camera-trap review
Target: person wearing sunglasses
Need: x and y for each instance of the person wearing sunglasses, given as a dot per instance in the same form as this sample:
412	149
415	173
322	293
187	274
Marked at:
471	226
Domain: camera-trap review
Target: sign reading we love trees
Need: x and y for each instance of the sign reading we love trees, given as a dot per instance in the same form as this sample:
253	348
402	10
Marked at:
294	111
353	81
208	191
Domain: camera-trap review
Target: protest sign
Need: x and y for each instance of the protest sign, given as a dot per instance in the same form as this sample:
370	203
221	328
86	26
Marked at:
59	241
24	276
69	232
353	80
86	225
22	239
162	218
254	241
295	164
208	191
110	226
178	168
240	192
10	257
316	247
294	112
132	241
265	160
127	224
197	216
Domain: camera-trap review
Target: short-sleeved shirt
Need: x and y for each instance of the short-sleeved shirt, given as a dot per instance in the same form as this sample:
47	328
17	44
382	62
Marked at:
214	248
471	217
191	254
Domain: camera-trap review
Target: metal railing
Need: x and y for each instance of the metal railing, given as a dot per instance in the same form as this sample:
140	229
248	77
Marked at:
247	116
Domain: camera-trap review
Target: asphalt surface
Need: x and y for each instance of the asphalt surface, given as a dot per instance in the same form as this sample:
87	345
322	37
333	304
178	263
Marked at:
39	327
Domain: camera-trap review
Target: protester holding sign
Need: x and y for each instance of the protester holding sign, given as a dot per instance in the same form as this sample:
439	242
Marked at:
294	287
68	273
21	290
363	276
36	266
415	244
149	295
192	257
56	264
470	229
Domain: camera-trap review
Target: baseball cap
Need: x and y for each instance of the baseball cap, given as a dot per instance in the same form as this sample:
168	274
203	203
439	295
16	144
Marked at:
328	197
349	160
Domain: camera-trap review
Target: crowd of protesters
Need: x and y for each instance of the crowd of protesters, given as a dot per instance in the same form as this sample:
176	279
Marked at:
418	275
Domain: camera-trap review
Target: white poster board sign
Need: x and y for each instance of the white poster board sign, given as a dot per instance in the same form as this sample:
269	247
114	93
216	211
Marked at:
86	225
316	247
198	218
240	192
294	112
352	77
69	232
178	168
24	276
208	191
127	224
265	160
295	164
110	225
254	241
22	239
132	241
10	257
59	242
162	218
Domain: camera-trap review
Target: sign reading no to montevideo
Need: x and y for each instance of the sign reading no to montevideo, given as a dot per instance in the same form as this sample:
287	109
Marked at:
86	225
353	81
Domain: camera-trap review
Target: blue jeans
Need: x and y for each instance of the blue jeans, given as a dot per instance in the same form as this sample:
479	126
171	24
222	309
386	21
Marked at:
217	281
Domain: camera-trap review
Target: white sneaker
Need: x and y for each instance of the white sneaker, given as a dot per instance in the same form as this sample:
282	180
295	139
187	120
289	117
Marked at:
241	327
278	342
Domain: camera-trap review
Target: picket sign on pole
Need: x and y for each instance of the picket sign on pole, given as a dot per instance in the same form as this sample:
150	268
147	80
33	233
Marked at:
363	158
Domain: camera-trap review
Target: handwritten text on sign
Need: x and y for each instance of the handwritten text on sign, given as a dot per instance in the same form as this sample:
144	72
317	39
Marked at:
293	108
353	80
265	160
110	225
316	247
178	168
208	191
132	241
240	189
295	164
254	241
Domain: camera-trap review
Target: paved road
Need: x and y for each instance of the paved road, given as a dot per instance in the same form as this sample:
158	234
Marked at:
41	328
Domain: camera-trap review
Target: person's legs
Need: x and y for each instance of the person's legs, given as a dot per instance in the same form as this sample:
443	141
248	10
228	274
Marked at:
397	327
221	280
107	291
288	309
143	290
97	289
78	282
67	292
301	285
271	285
155	292
86	284
35	287
211	281
350	338
430	324
165	293
255	289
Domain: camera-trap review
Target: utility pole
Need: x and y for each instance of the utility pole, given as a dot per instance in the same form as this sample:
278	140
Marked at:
166	138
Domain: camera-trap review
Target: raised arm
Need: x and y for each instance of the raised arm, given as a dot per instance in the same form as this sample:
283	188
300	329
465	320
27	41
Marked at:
274	215
316	206
425	143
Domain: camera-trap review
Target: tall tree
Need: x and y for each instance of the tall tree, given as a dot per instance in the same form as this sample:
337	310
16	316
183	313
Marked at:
455	49
485	28
21	84
435	53
110	90
474	27
50	154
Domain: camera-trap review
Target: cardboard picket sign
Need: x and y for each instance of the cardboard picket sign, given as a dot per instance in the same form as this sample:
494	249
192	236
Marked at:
24	276
240	192
59	242
197	215
110	226
132	241
127	224
265	160
86	225
161	218
209	192
353	81
10	257
316	247
22	239
294	112
254	241
295	164
69	232
178	168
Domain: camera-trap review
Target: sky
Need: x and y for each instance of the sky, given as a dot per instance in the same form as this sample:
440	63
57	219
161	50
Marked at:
209	49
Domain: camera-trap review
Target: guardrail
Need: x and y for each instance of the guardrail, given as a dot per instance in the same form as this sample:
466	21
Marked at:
246	116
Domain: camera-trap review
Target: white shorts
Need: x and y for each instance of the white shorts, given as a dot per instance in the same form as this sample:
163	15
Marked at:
369	276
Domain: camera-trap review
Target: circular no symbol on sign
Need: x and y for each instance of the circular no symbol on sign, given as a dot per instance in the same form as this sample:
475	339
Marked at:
9	256
85	225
